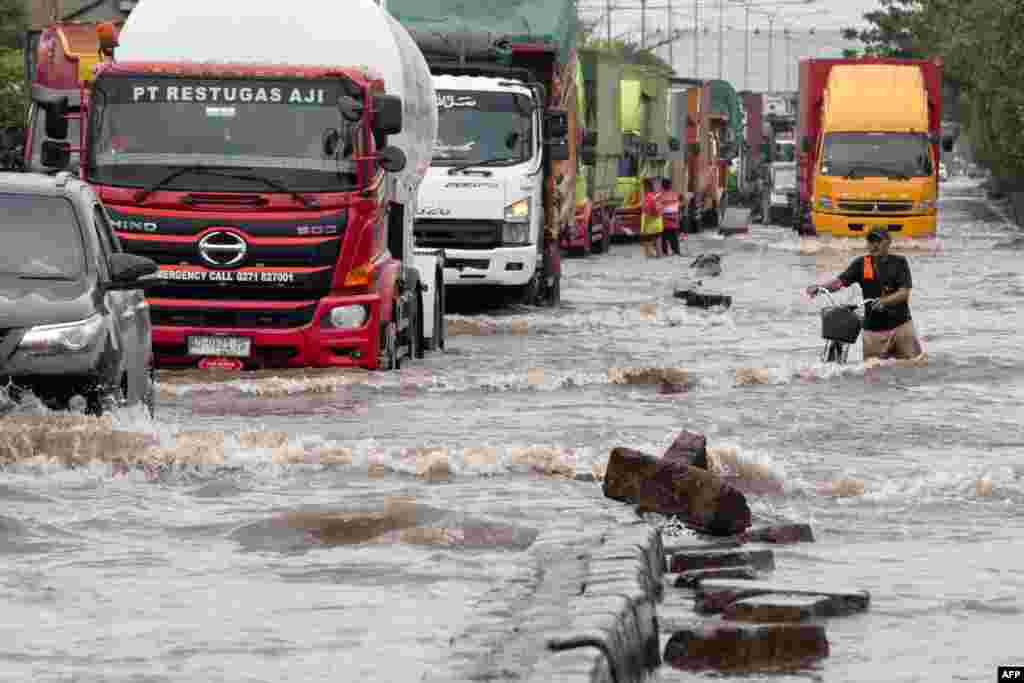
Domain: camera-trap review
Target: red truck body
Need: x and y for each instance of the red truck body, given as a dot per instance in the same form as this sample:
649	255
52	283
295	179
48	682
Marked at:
301	255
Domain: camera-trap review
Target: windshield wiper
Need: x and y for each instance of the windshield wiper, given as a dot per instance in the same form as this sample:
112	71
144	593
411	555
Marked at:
221	172
40	276
486	162
308	202
891	175
141	195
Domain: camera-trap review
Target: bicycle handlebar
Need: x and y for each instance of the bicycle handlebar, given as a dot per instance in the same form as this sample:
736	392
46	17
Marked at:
832	301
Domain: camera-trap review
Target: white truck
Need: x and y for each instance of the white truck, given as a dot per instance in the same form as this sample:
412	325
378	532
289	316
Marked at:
482	198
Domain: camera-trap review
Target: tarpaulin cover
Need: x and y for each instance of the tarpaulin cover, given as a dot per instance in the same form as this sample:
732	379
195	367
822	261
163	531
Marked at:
551	22
724	100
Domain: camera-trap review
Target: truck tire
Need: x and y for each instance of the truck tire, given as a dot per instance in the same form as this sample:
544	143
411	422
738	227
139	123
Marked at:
439	311
528	294
387	358
416	346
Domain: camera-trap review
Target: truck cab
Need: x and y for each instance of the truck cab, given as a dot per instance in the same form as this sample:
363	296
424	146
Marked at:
482	198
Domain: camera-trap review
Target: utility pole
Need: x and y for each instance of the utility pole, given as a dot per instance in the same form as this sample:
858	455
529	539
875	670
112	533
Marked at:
671	49
721	37
608	20
746	50
771	53
643	24
789	64
696	38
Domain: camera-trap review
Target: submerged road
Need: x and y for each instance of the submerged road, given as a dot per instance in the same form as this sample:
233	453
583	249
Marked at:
369	527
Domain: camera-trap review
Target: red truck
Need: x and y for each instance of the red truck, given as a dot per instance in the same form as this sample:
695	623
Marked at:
278	196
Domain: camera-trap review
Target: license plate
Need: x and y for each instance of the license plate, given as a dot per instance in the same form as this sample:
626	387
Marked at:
236	347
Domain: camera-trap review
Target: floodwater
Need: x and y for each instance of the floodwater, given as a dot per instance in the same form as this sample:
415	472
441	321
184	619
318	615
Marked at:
330	526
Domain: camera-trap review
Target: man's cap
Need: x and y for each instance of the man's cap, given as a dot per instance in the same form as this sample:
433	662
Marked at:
877	234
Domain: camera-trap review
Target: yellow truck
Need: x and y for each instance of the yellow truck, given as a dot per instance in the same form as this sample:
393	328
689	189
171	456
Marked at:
869	130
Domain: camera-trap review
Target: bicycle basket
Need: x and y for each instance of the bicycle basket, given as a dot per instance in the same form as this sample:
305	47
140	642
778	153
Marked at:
839	323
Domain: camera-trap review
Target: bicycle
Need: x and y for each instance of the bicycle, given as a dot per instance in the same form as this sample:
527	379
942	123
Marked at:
840	327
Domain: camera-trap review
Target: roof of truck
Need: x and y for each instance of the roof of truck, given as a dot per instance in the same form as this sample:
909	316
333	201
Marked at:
876	98
479	84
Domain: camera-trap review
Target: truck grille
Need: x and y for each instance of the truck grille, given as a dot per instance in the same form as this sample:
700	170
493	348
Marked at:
307	248
232	318
870	206
449	234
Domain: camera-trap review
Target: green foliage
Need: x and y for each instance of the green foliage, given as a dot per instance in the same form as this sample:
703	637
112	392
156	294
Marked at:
980	43
13	23
13	93
891	33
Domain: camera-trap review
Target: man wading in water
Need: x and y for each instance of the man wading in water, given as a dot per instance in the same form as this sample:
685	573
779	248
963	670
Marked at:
888	328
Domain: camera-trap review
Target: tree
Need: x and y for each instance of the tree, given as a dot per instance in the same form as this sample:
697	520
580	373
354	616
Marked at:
13	23
13	100
892	32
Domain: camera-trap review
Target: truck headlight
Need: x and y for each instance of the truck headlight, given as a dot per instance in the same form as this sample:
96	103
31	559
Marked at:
519	212
825	202
515	233
778	198
346	317
45	340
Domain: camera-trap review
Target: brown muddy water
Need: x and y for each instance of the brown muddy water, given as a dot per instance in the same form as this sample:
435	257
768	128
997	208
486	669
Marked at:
325	525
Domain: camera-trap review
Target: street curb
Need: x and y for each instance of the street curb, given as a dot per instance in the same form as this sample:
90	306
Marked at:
612	635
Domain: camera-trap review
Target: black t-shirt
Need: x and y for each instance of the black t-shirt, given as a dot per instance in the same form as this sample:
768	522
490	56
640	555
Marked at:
890	274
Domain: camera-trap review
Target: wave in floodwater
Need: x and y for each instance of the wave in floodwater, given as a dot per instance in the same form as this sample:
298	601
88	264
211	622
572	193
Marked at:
669	380
130	446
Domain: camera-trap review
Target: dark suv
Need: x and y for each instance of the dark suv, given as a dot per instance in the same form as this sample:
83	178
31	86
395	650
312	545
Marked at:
73	316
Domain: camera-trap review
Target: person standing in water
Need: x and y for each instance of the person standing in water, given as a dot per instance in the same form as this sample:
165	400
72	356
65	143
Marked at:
651	221
888	325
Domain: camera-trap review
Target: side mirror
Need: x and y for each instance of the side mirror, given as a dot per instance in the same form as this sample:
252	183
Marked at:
673	144
805	145
57	119
590	138
556	124
330	143
392	159
350	109
947	144
588	156
558	150
126	269
387	117
55	154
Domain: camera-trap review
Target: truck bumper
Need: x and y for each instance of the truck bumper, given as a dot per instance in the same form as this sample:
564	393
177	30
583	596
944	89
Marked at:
310	345
507	267
839	225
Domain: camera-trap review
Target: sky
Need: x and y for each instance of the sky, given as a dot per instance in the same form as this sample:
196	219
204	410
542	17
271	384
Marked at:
724	53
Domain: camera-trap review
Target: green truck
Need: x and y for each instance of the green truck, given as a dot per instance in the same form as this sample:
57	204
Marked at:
599	114
645	134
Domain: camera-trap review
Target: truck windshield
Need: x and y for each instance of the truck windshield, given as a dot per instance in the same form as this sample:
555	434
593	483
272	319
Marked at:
42	238
785	178
474	126
785	151
289	132
876	154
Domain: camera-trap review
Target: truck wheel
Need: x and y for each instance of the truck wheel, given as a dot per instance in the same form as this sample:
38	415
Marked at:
528	294
388	358
439	319
416	349
554	293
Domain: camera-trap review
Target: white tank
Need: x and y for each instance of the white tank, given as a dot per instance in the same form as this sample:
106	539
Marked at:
344	33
